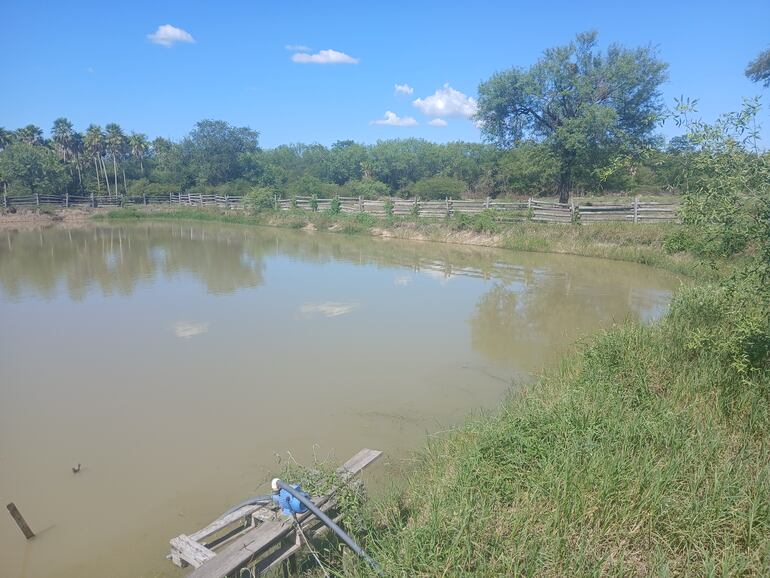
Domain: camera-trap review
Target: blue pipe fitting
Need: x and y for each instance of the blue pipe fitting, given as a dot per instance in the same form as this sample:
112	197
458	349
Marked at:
288	503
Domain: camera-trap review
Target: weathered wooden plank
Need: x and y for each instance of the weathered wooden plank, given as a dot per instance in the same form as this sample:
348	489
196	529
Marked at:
185	549
20	521
223	522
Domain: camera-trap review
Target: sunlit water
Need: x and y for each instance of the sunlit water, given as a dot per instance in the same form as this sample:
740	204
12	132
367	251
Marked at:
183	364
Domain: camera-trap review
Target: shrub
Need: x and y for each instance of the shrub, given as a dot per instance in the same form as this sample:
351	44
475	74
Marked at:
259	199
335	207
483	222
308	186
366	188
440	187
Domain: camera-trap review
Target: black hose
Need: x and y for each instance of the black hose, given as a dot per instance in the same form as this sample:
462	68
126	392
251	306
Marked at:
263	499
308	503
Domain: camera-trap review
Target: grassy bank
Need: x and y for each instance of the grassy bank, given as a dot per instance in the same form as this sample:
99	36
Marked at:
646	244
645	453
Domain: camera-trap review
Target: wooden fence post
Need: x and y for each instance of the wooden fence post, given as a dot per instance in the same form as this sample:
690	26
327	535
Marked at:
360	204
227	201
486	203
20	521
93	201
448	210
636	209
529	209
5	200
144	199
37	199
66	199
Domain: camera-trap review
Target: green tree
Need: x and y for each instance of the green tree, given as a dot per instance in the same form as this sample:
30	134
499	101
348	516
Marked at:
94	144
530	169
115	142
214	148
31	134
32	169
727	211
6	137
758	69
138	145
345	161
586	106
63	135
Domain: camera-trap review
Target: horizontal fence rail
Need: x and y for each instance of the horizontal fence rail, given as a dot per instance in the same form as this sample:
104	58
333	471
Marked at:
503	211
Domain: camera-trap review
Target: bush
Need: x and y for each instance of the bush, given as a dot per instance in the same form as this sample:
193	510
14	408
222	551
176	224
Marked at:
483	222
433	188
729	322
308	186
366	188
334	209
259	199
365	219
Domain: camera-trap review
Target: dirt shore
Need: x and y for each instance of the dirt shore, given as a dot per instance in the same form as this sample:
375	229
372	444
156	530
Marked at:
34	218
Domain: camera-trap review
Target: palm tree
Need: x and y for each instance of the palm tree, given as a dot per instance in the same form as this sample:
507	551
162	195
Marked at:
76	150
30	134
6	137
116	145
94	144
62	135
139	146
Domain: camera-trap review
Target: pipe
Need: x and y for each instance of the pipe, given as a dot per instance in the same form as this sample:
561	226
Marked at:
308	503
263	499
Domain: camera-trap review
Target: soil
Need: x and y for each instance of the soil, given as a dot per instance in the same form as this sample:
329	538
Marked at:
25	218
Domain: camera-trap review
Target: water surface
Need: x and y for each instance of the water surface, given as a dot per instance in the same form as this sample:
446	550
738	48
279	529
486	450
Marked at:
183	364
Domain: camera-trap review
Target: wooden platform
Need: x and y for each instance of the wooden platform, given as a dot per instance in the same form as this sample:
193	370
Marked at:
258	537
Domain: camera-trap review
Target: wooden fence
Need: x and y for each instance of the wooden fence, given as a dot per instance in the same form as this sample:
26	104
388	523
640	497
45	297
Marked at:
505	211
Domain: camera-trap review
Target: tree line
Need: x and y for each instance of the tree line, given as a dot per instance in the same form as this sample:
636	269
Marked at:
579	120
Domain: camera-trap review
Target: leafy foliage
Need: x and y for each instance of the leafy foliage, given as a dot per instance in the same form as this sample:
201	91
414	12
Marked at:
758	69
587	107
259	199
439	187
31	169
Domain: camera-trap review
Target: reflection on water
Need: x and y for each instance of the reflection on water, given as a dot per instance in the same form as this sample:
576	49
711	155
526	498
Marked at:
175	362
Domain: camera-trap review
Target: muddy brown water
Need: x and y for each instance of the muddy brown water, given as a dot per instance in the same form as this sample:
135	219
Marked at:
183	364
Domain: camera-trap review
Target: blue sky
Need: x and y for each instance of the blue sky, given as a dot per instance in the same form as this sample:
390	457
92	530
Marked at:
96	62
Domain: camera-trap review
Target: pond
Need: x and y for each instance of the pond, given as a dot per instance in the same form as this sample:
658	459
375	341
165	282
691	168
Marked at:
183	364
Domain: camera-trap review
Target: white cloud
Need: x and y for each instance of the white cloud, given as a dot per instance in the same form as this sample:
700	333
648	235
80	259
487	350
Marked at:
167	35
402	281
189	329
324	57
297	48
392	119
438	122
327	309
404	89
447	101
